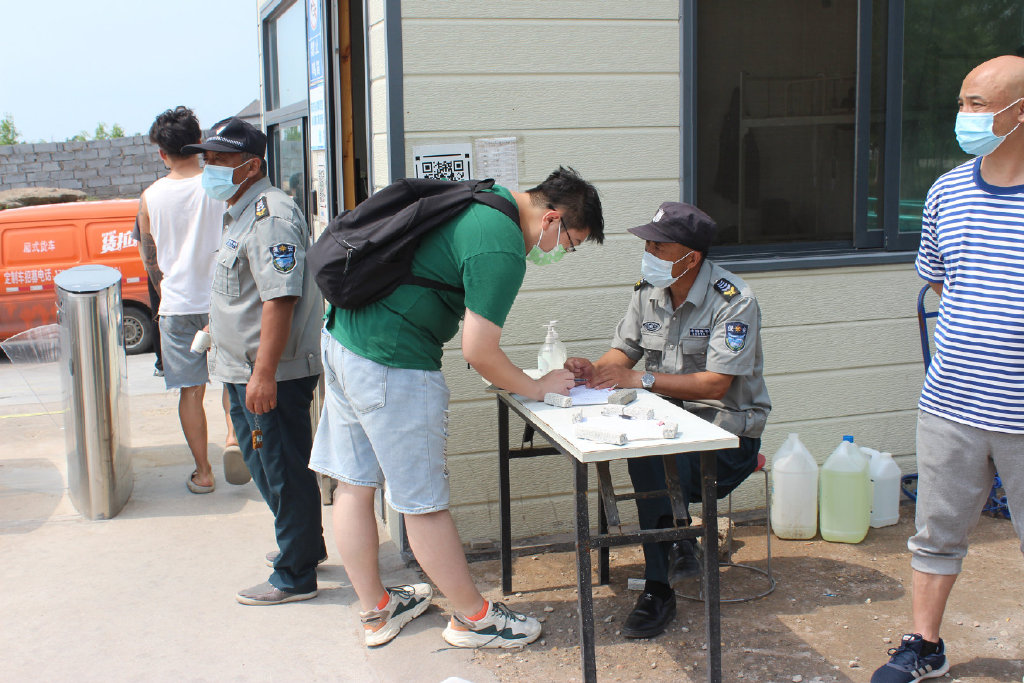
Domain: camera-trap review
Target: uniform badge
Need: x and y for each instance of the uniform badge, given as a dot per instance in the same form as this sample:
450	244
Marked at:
261	208
700	332
735	335
283	256
726	288
651	326
639	283
231	244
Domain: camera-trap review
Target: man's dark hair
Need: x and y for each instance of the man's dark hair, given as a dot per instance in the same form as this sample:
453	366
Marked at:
174	129
575	197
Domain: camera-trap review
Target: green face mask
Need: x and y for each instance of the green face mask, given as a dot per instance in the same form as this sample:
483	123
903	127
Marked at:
543	258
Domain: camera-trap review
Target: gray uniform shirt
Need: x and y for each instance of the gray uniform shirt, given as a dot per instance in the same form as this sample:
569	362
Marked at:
717	328
263	257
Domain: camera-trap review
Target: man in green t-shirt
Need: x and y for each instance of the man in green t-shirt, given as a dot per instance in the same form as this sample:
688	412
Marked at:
386	406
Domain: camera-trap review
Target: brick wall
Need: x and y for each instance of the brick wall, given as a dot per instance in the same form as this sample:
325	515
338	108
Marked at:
104	169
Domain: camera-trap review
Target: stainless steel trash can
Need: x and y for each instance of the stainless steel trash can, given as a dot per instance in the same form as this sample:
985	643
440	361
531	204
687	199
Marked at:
94	380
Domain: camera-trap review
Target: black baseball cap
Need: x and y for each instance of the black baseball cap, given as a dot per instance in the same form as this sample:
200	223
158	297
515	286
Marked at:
681	223
231	135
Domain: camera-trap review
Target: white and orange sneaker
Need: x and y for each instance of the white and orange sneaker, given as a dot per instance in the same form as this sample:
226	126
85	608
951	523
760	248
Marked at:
405	603
500	628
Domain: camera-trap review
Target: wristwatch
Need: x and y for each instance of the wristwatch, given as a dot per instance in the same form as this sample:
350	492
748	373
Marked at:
647	380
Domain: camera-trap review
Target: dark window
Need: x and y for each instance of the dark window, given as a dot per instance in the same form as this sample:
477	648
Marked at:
820	125
288	160
776	94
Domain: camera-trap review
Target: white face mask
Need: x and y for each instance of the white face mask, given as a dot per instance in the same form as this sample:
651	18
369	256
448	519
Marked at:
658	271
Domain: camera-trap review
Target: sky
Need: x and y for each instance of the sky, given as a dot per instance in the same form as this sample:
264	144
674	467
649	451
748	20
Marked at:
67	65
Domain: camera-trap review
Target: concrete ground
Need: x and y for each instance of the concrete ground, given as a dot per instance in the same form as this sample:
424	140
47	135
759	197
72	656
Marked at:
149	595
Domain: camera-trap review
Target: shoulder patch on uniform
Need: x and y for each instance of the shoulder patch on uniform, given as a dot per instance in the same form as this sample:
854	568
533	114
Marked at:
261	208
726	288
651	326
283	256
735	335
639	283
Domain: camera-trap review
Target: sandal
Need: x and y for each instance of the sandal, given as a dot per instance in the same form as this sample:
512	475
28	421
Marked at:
235	470
196	488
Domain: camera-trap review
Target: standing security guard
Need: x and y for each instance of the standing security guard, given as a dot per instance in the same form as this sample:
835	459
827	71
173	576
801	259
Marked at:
265	322
698	329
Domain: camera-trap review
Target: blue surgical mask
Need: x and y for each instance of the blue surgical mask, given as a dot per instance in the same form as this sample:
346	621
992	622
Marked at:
540	257
658	272
217	181
974	131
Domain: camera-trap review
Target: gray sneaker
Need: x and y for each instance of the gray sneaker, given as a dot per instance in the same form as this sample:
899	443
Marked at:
405	603
272	556
268	594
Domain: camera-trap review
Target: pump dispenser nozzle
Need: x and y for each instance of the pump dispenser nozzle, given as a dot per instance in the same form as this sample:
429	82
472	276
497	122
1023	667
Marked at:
552	353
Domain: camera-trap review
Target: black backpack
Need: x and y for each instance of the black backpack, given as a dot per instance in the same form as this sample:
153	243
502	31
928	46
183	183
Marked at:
366	253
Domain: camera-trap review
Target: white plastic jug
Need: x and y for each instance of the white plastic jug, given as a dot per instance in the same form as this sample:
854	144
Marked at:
794	491
845	502
885	484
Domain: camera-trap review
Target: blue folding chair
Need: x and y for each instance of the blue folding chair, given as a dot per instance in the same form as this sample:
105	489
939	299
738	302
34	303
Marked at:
996	504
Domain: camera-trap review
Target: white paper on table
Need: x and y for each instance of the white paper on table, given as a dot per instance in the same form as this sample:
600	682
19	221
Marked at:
583	395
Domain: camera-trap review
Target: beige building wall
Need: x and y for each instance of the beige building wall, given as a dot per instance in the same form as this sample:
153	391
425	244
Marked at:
376	43
841	349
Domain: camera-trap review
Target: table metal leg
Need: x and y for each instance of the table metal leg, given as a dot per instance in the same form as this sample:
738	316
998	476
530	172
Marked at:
504	499
607	515
712	608
588	662
604	552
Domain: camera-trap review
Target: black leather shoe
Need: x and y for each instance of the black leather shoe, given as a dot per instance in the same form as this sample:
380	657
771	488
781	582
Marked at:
650	617
685	560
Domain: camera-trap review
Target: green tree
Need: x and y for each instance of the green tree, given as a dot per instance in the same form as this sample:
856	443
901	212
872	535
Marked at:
101	133
8	132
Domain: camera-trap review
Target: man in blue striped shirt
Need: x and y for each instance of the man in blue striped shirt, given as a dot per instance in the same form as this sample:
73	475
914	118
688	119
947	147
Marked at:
971	419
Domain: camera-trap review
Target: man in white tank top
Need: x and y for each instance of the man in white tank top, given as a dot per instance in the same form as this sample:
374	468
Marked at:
180	229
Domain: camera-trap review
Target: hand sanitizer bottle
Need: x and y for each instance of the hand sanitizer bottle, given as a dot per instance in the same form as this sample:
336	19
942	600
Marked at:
552	353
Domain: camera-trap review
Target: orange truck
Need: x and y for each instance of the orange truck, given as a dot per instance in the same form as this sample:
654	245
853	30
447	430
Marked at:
37	242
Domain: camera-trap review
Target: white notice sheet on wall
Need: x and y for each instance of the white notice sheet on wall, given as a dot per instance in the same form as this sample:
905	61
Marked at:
443	162
498	158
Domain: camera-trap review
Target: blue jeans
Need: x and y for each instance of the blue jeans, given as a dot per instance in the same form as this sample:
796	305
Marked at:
280	470
648	474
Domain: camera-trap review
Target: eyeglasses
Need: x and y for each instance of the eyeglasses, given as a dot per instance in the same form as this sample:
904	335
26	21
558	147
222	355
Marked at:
572	245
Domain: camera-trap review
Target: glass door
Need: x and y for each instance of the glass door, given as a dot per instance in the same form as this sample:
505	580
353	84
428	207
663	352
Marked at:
288	164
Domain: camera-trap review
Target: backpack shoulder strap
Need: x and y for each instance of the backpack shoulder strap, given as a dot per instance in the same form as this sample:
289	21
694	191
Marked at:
496	201
491	199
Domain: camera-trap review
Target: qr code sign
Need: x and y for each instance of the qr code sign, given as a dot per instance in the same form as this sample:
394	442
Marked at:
448	169
443	165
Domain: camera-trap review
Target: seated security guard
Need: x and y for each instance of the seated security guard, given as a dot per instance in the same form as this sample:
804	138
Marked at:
698	329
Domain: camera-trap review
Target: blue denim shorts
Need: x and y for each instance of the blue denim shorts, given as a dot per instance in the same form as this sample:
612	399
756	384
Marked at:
383	427
182	368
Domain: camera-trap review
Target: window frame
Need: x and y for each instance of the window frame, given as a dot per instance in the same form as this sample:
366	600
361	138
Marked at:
273	167
291	113
269	14
865	247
